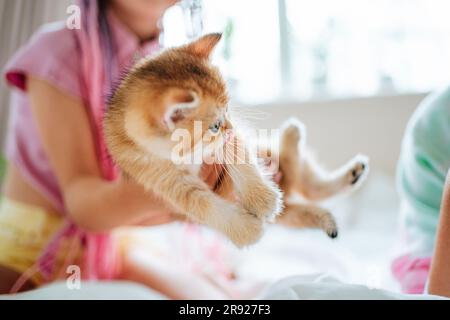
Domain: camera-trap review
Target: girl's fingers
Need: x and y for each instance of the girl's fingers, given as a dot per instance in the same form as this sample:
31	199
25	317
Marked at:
211	173
277	177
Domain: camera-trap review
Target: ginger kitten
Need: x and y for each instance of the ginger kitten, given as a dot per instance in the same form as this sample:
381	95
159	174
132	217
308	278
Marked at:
179	92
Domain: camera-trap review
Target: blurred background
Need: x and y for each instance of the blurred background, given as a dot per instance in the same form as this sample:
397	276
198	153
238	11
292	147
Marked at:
352	70
297	50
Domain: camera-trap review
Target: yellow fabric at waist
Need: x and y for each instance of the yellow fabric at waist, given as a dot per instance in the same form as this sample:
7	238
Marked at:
24	232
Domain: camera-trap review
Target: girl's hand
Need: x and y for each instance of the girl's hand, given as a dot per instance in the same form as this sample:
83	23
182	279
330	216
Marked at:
272	166
210	173
154	211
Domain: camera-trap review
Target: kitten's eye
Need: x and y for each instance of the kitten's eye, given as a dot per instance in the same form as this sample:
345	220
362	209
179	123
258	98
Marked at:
215	126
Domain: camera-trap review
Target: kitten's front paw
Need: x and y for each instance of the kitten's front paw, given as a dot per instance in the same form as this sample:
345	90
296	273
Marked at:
264	201
244	228
358	170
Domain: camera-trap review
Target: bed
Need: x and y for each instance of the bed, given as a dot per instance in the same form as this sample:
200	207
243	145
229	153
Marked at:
297	264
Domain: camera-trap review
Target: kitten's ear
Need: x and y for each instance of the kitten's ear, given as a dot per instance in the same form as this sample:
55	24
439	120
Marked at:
204	46
179	102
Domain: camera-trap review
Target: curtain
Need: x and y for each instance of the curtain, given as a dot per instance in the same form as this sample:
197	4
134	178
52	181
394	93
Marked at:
18	21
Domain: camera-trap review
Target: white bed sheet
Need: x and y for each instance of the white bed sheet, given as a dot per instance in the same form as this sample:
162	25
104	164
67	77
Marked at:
322	287
368	223
309	287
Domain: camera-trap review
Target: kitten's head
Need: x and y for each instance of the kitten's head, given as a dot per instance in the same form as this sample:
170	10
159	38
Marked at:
176	96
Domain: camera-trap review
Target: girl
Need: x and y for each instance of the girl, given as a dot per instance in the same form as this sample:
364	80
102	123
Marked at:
422	170
62	192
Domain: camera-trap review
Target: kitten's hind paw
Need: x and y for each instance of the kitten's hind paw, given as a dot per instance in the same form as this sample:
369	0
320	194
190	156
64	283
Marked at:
358	170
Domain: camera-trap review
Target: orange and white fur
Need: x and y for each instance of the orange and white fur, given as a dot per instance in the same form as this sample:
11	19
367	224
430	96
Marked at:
174	91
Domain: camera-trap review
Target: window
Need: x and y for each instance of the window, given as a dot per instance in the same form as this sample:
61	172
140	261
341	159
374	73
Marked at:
298	49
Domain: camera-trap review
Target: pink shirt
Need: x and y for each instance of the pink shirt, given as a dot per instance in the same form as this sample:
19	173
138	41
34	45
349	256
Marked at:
52	54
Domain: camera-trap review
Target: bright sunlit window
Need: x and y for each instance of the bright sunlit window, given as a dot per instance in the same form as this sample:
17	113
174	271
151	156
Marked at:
293	50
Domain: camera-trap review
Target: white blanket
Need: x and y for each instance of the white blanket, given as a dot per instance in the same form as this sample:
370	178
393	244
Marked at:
322	287
293	288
